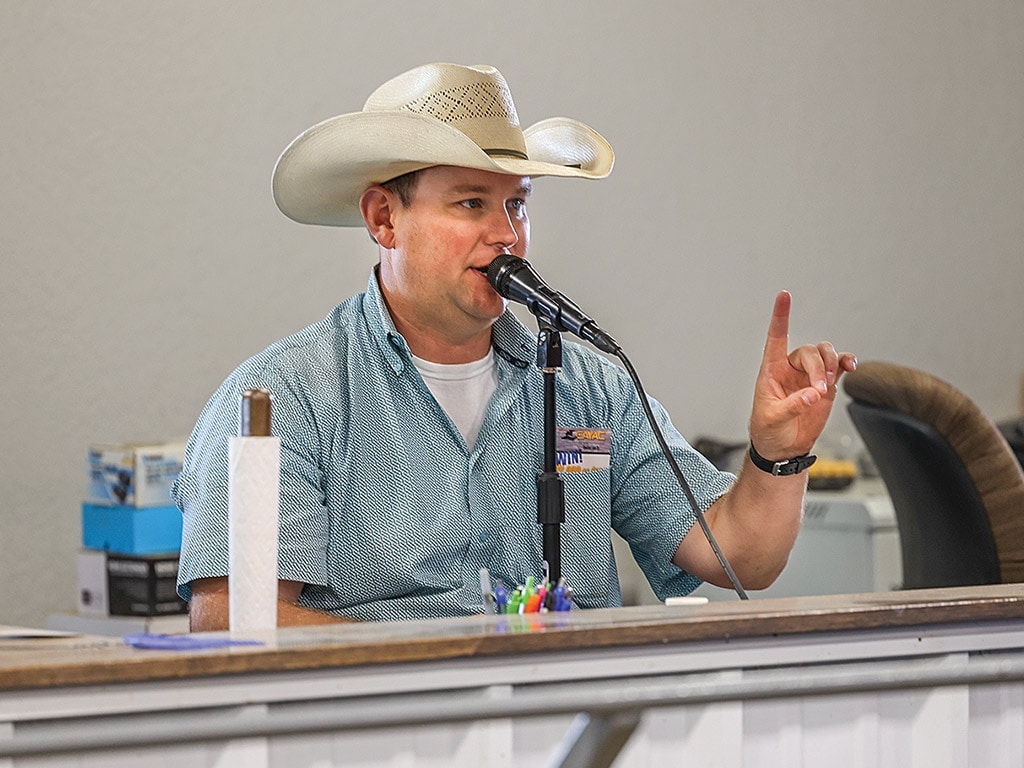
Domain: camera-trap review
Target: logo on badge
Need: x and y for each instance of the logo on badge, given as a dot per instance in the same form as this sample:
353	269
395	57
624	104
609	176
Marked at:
579	449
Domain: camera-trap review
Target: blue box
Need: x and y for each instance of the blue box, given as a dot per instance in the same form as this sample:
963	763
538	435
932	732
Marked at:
131	530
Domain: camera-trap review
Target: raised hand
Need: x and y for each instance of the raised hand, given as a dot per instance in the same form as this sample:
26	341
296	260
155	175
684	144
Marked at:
795	391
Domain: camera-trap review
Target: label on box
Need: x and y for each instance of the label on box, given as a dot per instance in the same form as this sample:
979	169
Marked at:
119	585
143	586
133	474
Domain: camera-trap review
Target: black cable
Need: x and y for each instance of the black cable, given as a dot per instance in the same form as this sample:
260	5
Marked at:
679	475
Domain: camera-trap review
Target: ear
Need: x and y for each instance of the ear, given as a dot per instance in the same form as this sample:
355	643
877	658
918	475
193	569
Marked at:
378	206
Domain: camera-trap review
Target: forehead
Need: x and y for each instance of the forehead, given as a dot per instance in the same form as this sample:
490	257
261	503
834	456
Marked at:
449	179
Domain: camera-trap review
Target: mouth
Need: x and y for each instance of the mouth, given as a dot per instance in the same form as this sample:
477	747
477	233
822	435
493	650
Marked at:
482	271
487	281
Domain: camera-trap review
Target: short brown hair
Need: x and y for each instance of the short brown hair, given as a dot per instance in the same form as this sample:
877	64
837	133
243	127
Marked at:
403	186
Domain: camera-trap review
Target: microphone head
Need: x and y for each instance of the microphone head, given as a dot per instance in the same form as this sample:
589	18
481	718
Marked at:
501	269
513	278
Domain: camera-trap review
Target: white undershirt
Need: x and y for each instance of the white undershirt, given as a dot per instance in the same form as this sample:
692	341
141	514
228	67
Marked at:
463	390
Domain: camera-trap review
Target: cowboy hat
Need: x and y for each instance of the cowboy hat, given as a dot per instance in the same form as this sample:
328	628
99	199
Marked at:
437	114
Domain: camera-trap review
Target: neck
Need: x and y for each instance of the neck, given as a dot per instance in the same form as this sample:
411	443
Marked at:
438	350
438	342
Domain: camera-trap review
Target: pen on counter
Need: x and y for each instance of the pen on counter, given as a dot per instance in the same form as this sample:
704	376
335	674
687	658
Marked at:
533	603
500	598
562	597
485	590
515	601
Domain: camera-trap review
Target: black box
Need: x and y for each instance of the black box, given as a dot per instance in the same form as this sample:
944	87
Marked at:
143	585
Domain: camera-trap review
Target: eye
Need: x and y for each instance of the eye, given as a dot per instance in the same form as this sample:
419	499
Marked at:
472	203
517	204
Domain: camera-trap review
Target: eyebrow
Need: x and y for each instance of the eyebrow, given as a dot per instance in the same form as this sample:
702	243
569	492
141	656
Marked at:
479	189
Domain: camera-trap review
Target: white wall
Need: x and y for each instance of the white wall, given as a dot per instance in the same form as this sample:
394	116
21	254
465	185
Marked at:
867	156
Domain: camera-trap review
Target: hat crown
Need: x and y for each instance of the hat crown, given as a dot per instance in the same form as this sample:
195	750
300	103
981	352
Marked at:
474	100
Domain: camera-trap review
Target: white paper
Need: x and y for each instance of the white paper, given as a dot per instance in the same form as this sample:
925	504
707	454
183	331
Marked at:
254	466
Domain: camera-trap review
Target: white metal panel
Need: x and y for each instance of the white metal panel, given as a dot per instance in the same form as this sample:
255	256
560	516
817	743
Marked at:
997	726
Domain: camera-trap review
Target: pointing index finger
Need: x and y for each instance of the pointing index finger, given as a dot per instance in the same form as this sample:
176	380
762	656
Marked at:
777	345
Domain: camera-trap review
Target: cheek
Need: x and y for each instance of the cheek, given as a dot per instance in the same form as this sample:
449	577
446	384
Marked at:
524	234
428	249
444	241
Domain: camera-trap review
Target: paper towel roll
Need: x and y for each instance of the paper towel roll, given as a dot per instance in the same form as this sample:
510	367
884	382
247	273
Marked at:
254	466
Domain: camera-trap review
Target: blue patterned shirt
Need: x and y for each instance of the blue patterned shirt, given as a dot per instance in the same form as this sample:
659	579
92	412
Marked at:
386	514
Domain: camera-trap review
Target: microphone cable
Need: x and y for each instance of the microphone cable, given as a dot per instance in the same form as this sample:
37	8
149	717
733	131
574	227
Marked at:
680	477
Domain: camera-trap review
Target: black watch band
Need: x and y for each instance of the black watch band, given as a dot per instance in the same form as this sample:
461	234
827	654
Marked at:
781	468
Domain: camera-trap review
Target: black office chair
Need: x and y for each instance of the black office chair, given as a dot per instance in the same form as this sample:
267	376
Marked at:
956	487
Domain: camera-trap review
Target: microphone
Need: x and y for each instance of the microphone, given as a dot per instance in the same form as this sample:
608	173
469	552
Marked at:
514	278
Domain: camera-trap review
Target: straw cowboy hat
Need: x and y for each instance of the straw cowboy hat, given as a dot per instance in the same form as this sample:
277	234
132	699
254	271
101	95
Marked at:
437	114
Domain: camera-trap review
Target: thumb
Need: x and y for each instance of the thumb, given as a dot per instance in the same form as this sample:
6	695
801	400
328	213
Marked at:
801	401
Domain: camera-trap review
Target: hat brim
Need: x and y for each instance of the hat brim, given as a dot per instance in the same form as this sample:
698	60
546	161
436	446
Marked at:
321	176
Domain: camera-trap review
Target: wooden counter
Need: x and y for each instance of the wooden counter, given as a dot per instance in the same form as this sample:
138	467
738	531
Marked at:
716	663
74	661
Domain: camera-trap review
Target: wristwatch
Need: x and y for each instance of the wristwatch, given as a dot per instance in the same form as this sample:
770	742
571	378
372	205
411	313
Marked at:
792	466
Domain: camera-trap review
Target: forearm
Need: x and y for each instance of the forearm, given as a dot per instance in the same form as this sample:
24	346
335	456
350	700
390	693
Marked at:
209	611
755	524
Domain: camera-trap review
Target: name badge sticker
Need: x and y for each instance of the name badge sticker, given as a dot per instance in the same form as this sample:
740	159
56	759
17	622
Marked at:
578	449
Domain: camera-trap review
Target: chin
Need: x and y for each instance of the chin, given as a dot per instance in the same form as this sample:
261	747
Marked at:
491	307
499	310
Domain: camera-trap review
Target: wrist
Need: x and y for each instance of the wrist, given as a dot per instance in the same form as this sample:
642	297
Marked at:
783	467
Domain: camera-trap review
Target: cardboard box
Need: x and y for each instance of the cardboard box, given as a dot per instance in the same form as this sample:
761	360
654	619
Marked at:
128	585
131	530
133	474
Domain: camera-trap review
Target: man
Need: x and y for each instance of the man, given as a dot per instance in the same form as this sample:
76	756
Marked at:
411	417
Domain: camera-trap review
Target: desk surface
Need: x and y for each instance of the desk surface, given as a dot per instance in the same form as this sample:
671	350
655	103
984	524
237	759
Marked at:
85	660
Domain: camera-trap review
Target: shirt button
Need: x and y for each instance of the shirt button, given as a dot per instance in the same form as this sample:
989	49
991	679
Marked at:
483	536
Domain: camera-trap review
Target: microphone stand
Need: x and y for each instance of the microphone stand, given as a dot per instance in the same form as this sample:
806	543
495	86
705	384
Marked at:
550	490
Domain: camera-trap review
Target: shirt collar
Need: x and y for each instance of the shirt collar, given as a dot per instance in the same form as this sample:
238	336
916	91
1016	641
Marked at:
513	341
382	328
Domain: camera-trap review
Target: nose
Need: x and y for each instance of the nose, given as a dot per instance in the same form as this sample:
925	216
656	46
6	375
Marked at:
503	232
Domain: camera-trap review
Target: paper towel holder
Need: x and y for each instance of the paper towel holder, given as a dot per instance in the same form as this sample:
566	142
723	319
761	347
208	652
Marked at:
254	413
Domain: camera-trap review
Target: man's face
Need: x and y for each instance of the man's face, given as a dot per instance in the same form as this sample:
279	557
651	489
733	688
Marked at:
457	222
